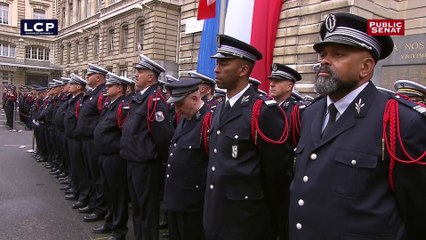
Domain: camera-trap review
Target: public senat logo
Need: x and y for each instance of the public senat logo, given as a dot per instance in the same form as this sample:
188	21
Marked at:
39	27
386	27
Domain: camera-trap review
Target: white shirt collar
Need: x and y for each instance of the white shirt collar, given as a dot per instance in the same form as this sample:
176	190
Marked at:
143	90
343	103
234	99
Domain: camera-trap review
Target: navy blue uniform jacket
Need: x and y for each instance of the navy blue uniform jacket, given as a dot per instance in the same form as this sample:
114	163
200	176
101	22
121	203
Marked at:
138	144
187	165
245	187
341	188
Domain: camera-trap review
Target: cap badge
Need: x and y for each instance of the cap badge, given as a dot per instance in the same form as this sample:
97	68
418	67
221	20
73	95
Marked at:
330	22
359	105
218	41
274	67
159	116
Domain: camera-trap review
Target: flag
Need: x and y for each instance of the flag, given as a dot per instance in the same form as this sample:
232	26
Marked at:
206	9
255	22
208	46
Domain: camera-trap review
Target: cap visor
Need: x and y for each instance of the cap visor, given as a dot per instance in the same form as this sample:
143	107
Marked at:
175	99
221	55
275	78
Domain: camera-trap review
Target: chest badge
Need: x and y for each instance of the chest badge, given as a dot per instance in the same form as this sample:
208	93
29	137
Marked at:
234	150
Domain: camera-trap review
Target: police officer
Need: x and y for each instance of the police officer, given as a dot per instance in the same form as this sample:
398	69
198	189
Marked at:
78	169
246	172
146	135
61	108
10	105
107	135
351	180
283	79
414	91
173	116
187	164
207	87
92	105
219	95
42	153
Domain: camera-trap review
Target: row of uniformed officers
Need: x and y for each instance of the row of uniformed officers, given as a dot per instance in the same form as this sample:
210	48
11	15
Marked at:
226	167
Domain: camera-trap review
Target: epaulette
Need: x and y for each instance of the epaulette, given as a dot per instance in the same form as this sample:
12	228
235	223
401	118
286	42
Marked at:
268	100
416	107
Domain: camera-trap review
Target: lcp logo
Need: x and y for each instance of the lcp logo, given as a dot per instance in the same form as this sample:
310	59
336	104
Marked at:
39	27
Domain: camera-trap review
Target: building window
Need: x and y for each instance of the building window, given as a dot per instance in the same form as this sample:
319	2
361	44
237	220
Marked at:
4	13
63	18
85	48
124	36
39	14
139	32
96	47
109	69
97	4
6	77
77	51
37	53
69	53
79	10
61	57
7	50
123	71
110	43
70	20
88	7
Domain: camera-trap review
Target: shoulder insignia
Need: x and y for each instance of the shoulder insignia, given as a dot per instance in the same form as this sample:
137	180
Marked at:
416	107
156	99
126	107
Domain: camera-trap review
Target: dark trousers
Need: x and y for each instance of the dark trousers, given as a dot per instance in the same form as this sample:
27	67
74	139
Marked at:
80	174
185	225
52	146
143	180
91	159
62	150
9	116
41	141
114	170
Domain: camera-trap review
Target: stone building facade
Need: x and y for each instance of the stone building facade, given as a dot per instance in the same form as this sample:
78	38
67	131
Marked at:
112	33
299	27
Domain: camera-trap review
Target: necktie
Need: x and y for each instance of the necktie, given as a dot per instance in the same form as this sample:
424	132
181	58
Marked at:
331	119
225	109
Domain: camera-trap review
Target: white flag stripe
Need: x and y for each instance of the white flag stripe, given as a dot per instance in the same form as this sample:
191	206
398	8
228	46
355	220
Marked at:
239	18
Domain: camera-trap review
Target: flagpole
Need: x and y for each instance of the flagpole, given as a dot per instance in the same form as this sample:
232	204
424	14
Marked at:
222	16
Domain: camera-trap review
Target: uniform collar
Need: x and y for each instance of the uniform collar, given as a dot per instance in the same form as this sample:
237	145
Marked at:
343	103
237	96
